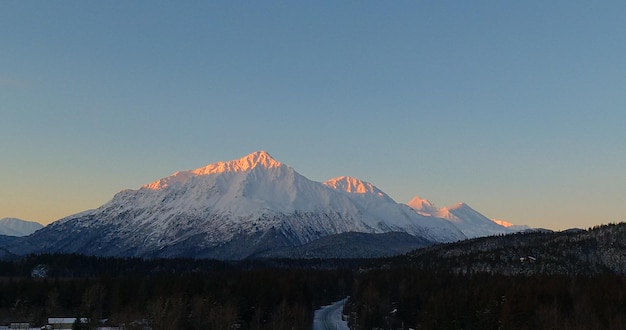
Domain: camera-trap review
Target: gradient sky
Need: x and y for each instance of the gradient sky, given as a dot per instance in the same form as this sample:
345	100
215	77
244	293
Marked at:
517	108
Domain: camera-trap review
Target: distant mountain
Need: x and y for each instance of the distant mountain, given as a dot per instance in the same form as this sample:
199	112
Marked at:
380	206
18	227
423	206
469	221
232	210
503	223
511	226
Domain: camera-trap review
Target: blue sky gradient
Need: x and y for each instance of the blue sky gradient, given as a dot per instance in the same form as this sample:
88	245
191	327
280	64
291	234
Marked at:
516	108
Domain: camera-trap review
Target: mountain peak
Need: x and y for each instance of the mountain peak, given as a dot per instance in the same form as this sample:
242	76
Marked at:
353	185
422	205
262	158
247	163
253	160
459	206
503	223
418	202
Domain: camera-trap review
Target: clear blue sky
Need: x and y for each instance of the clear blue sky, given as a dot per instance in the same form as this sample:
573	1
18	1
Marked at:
517	108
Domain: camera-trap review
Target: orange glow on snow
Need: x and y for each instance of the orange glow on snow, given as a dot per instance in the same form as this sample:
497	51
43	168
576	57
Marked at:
351	185
259	158
502	223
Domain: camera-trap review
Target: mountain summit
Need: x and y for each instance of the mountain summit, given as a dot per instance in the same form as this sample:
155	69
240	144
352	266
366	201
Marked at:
422	206
232	210
249	162
353	185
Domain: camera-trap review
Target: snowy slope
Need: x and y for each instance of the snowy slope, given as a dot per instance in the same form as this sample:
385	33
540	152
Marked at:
18	227
230	210
396	217
469	221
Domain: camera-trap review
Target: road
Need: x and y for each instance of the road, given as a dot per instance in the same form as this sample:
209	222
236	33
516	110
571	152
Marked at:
329	317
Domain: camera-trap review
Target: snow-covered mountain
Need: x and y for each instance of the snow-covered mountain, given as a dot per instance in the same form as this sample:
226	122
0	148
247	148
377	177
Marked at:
232	210
511	226
18	227
398	217
469	221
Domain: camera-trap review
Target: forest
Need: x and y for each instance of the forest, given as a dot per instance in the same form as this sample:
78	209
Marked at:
573	281
419	299
154	295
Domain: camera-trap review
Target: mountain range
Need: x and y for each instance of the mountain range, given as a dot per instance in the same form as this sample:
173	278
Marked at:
253	206
469	221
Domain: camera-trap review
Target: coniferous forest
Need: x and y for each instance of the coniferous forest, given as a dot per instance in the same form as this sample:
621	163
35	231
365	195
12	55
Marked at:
167	294
467	285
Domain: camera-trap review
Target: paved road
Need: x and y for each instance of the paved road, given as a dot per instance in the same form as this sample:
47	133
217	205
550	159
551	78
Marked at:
329	317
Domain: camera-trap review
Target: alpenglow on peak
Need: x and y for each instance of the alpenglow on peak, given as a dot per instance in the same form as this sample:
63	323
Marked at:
247	163
257	158
353	185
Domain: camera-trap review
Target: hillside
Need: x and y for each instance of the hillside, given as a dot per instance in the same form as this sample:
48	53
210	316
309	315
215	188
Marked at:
598	250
